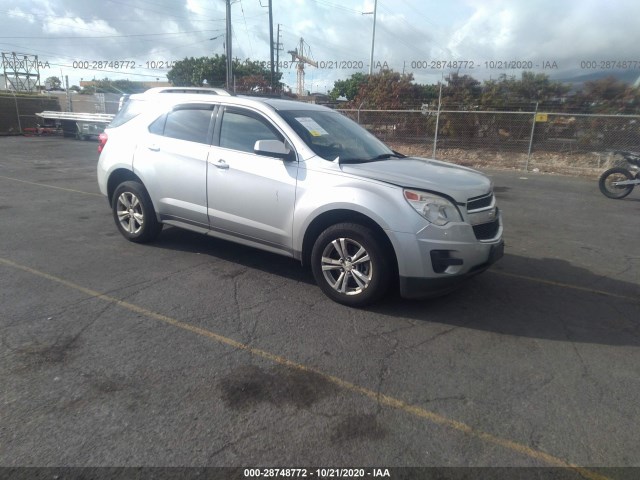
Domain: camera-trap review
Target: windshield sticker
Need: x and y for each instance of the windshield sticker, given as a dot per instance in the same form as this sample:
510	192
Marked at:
312	126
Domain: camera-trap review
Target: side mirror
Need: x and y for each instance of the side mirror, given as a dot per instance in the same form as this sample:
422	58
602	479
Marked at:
273	148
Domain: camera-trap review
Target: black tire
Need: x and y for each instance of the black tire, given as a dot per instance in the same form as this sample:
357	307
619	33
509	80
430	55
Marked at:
356	284
615	174
134	214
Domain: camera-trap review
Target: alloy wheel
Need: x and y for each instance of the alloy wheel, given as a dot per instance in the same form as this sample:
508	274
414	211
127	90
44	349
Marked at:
129	211
346	266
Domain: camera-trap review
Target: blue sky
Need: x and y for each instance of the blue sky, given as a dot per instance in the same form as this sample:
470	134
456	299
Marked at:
426	38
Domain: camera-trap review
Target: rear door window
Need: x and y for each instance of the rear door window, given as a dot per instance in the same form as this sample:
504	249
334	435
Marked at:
190	122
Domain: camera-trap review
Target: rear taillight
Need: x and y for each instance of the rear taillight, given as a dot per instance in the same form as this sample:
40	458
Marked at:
102	141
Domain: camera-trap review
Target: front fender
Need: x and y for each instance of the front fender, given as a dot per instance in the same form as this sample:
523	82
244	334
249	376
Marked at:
381	202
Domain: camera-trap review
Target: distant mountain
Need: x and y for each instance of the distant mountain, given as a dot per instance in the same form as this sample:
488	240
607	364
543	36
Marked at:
627	76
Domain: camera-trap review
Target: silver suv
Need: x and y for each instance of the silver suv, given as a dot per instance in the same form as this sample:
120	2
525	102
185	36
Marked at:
299	180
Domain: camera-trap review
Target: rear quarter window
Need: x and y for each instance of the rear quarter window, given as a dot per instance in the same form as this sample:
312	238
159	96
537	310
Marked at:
130	110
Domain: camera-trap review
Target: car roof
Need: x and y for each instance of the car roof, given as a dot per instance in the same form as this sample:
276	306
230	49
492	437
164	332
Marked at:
195	94
282	104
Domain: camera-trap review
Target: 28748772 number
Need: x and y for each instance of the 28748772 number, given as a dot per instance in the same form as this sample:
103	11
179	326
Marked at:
316	472
122	64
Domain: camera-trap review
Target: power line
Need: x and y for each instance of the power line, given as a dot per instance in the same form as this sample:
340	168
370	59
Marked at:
444	49
75	19
42	57
418	12
320	45
128	4
246	28
110	19
338	6
161	5
110	36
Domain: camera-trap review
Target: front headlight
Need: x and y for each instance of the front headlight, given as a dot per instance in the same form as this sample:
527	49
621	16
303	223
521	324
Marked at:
436	209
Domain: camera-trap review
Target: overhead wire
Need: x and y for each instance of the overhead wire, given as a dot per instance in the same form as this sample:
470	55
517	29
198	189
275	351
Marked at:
107	36
128	4
246	29
27	50
145	37
338	6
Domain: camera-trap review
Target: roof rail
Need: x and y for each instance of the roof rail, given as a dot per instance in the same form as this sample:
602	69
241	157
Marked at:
196	90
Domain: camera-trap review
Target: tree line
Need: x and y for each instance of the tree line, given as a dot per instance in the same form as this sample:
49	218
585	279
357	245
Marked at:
390	90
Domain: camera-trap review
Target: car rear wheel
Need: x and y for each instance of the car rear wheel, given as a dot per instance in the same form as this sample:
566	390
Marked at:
134	214
350	265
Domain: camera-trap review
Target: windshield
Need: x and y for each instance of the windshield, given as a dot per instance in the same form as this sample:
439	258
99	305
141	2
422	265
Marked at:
330	135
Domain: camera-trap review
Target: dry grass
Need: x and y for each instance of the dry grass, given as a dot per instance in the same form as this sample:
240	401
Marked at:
585	164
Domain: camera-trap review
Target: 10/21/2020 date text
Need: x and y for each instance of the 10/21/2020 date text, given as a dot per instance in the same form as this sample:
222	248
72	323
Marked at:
347	65
316	473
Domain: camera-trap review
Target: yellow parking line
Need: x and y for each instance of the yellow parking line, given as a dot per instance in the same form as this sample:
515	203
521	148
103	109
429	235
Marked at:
49	186
381	399
567	285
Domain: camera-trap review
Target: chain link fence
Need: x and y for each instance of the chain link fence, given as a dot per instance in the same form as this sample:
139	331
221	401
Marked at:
532	140
550	142
18	111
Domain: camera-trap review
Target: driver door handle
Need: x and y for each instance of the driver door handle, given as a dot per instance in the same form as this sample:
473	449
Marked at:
222	165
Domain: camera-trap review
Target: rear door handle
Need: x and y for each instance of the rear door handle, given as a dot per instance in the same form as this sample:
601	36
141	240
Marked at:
154	148
222	164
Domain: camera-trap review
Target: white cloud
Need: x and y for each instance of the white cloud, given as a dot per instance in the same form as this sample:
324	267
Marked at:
76	26
19	14
565	31
196	6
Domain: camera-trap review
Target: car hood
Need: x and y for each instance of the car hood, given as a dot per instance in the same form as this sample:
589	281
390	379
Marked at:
458	182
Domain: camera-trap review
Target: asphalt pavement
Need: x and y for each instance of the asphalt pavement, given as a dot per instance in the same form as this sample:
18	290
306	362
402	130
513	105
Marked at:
193	351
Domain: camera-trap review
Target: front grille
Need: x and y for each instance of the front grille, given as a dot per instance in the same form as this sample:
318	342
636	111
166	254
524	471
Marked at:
487	231
478	203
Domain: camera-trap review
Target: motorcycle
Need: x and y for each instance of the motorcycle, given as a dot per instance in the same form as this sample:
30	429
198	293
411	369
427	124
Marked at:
617	182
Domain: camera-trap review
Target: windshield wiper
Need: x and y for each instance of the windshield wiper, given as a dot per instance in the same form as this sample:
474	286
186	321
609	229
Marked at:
386	156
383	156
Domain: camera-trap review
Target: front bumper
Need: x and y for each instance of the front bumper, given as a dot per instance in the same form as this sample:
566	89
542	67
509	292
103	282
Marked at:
435	260
421	287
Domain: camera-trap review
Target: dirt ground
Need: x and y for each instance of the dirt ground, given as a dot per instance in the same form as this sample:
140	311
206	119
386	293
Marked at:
585	164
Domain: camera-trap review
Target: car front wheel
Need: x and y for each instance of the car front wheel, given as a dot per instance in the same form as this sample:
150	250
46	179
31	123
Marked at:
350	265
134	214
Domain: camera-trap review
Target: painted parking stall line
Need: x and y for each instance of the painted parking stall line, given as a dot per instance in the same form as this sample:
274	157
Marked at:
381	399
44	185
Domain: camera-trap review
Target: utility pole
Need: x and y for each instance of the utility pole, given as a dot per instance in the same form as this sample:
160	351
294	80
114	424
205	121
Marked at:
435	137
66	84
373	36
229	50
278	48
271	40
270	7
